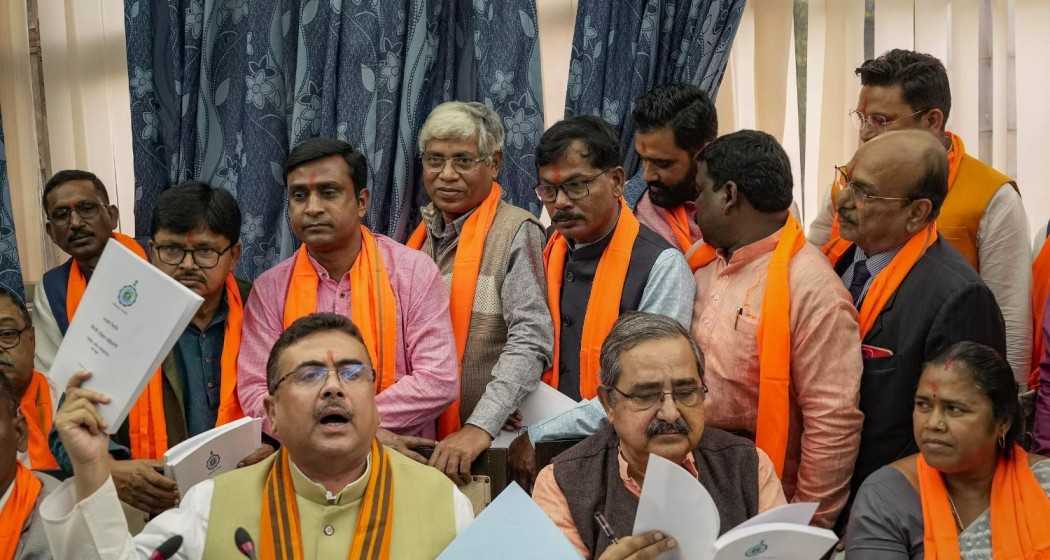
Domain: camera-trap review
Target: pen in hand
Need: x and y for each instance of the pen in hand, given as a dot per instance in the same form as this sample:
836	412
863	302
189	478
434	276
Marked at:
603	523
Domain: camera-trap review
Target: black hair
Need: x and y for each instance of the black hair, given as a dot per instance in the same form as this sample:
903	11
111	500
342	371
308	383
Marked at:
189	206
20	303
8	398
314	149
687	110
994	377
922	78
602	145
756	163
302	328
67	175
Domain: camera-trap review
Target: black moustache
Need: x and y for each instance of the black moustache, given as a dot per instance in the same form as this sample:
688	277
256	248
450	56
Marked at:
565	217
660	427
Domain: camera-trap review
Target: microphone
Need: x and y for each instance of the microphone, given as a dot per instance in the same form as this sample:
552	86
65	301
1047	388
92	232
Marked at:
244	543
167	549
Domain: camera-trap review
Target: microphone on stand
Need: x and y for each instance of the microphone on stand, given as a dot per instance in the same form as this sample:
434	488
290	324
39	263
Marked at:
167	549
244	543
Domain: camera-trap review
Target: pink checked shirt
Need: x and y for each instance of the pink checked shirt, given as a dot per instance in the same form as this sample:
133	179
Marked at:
826	365
427	378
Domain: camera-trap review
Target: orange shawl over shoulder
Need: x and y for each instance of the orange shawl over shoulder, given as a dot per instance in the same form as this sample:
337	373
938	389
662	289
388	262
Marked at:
18	509
36	409
603	306
465	269
1019	512
774	342
372	305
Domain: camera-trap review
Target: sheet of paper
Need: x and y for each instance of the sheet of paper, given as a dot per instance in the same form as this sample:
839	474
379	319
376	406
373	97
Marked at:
776	541
675	503
128	320
800	513
512	527
541	404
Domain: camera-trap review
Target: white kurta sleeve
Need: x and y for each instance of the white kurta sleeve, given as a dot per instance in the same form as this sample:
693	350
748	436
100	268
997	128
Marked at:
95	527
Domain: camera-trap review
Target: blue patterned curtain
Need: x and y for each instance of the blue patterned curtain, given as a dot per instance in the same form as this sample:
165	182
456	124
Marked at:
220	89
621	50
10	271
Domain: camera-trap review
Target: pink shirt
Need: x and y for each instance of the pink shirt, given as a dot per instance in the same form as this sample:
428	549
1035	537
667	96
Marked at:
549	496
427	377
656	219
826	365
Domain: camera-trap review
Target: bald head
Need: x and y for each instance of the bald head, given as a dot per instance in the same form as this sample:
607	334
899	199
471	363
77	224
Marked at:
911	163
897	184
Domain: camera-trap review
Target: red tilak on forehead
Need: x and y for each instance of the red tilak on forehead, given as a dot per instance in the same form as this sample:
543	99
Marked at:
556	174
329	358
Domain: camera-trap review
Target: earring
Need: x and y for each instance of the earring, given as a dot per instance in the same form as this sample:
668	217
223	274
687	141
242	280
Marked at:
1002	441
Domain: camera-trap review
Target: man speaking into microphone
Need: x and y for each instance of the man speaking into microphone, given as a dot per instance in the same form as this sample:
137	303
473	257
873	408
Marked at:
332	491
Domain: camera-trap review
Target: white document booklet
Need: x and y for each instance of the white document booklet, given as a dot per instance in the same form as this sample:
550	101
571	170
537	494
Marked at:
128	320
541	404
676	504
213	452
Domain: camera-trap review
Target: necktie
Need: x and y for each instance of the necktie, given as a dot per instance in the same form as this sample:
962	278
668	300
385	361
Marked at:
861	274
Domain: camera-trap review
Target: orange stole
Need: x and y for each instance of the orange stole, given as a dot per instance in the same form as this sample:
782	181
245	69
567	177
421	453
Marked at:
1019	510
774	342
146	425
18	508
679	222
465	269
372	305
229	404
36	409
280	535
1040	292
603	305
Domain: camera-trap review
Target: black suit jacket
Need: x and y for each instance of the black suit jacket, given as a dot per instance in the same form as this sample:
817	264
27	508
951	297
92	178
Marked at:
942	301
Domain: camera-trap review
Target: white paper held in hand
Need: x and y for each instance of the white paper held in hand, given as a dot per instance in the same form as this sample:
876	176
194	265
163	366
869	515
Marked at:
675	503
544	402
211	453
130	317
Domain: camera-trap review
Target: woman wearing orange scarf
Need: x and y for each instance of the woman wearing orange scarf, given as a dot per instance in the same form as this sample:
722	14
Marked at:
972	492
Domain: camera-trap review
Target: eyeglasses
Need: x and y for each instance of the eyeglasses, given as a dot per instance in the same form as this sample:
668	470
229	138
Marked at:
436	164
878	122
311	375
86	211
205	258
683	396
9	338
574	190
858	194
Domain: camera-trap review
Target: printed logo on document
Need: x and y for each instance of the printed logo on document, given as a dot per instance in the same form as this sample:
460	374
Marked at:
759	548
128	295
214	461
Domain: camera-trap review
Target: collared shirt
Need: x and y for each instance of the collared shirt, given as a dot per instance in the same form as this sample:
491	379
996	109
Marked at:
875	264
95	527
549	496
427	373
1004	251
198	355
527	352
826	366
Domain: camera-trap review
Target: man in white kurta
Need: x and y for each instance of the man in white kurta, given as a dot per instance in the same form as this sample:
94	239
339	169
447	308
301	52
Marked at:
329	458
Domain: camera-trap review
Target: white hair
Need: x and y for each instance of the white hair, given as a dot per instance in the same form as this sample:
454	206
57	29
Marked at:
456	120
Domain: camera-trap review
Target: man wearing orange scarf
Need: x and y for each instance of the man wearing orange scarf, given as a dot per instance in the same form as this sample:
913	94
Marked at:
780	338
600	261
394	294
982	216
491	254
332	491
21	490
195	240
672	123
915	294
31	386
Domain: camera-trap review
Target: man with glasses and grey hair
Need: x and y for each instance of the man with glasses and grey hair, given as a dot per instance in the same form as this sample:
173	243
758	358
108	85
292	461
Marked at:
491	255
653	391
